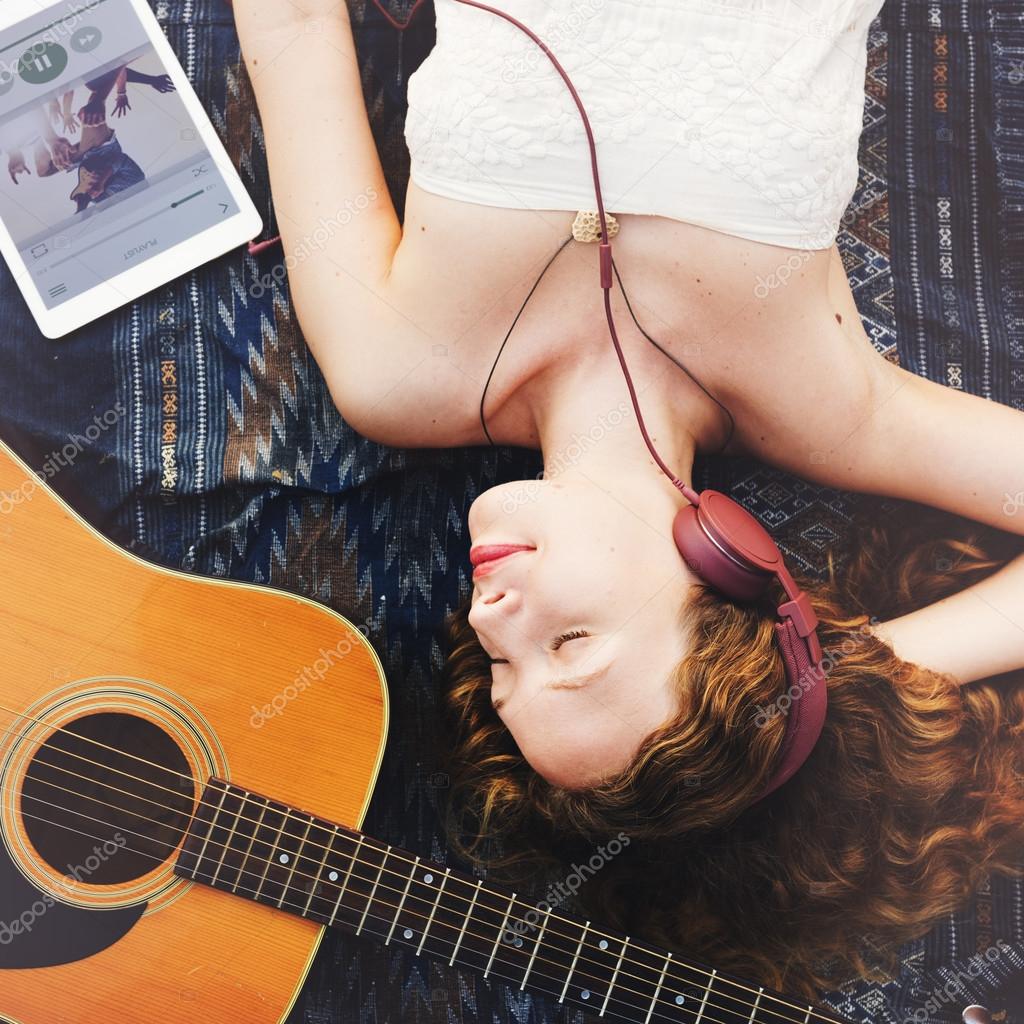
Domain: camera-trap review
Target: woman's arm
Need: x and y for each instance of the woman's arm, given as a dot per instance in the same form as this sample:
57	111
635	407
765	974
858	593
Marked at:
302	63
339	228
938	446
974	634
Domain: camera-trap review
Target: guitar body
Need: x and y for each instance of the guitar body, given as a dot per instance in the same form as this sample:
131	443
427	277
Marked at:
157	680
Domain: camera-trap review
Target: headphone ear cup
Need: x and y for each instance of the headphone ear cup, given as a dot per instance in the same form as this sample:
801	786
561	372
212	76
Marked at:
717	563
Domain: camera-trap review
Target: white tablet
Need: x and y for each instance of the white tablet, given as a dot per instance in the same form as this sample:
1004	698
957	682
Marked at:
112	179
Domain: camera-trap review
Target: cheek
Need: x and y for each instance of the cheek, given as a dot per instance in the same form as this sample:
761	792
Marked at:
570	750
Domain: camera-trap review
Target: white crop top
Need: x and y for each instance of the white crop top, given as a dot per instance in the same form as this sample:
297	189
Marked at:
743	116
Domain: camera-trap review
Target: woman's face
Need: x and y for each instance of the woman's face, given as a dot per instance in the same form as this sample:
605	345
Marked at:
584	625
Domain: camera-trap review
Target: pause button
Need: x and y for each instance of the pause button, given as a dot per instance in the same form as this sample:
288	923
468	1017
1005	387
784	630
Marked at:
42	63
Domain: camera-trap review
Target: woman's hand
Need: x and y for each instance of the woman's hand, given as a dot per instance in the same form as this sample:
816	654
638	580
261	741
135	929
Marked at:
16	165
94	113
62	153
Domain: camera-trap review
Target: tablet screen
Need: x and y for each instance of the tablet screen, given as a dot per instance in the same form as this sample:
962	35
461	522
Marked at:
102	165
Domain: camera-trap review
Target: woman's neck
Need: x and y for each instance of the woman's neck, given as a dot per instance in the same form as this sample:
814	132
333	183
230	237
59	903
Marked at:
587	428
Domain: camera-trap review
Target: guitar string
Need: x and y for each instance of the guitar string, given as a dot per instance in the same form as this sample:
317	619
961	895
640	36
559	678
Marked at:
399	855
287	813
381	869
328	849
317	878
400	907
369	916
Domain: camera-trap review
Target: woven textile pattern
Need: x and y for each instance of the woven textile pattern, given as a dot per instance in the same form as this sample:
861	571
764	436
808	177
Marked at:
229	459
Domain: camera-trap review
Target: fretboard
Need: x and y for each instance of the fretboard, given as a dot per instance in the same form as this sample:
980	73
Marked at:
262	850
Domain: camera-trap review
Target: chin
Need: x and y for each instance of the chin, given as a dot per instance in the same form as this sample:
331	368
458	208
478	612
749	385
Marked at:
496	513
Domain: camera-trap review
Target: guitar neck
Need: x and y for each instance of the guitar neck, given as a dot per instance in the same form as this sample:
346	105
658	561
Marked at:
262	850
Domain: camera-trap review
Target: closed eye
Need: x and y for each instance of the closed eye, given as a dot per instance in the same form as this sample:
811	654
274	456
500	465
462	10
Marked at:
564	638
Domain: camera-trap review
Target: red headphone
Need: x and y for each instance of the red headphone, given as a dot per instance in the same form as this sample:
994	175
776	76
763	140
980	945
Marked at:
719	540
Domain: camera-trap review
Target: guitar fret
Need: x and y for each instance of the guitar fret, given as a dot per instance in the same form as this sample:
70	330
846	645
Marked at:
501	931
657	991
575	959
615	977
707	993
441	913
252	840
344	884
536	946
295	861
231	835
401	902
328	850
433	912
373	891
270	856
465	922
757	1003
209	832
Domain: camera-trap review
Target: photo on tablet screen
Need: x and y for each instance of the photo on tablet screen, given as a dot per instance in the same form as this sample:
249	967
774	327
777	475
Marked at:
101	165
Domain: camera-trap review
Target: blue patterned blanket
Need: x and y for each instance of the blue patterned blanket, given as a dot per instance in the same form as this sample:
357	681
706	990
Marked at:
224	455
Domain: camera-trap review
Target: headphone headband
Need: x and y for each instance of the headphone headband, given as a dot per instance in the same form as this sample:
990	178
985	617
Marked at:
807	706
730	550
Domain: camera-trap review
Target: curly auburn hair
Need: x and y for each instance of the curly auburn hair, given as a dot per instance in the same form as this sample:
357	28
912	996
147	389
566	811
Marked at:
914	792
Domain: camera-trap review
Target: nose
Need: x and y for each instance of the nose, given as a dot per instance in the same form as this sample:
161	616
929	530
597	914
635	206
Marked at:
494	606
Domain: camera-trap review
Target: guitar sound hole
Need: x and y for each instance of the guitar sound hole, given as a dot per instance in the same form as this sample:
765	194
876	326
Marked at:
107	799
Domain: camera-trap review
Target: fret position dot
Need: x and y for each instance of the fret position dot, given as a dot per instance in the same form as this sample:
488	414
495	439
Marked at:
284	858
519	942
603	944
334	876
428	878
585	994
680	1000
407	933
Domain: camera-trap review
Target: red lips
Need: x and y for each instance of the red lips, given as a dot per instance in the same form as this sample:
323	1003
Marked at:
484	556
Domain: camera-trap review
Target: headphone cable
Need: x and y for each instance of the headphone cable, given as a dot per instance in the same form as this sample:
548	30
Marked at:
640	328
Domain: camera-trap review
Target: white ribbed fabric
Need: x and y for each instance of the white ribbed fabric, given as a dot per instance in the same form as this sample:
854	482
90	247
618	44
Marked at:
739	115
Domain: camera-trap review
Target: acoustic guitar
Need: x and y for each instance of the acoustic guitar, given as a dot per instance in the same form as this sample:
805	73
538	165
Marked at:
184	766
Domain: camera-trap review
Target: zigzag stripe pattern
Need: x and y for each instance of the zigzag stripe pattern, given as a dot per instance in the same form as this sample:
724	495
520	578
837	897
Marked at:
262	480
